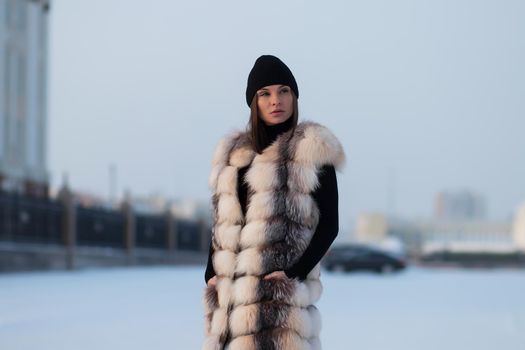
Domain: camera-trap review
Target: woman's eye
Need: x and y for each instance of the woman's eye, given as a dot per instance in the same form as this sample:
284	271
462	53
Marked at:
284	91
263	94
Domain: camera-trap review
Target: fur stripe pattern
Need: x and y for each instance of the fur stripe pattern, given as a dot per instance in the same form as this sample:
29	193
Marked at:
244	310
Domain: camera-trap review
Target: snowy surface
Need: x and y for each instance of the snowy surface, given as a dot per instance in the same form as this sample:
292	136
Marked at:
160	308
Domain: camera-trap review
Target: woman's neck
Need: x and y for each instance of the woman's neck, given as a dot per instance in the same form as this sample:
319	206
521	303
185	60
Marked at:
272	131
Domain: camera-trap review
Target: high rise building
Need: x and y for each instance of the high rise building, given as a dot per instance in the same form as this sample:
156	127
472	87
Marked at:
23	96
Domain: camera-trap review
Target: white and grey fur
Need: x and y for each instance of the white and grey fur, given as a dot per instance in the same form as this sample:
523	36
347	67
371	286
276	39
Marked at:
244	311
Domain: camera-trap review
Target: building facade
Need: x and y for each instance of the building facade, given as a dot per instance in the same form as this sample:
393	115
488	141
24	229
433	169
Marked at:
518	227
461	205
371	227
23	96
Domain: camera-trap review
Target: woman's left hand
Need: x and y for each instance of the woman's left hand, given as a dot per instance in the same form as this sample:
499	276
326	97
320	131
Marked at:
276	274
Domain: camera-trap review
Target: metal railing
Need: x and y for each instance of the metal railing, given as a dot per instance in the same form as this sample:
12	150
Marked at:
27	219
36	220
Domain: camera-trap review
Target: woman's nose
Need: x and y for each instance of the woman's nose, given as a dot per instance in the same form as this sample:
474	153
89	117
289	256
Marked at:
275	100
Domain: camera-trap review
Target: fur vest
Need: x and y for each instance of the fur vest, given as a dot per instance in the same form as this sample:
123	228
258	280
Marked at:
244	311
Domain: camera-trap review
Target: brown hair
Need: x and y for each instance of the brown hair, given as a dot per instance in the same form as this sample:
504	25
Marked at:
255	127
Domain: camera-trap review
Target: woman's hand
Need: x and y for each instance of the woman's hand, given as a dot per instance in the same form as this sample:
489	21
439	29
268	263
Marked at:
276	274
212	281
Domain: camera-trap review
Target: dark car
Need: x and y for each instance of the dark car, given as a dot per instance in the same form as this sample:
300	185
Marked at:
356	257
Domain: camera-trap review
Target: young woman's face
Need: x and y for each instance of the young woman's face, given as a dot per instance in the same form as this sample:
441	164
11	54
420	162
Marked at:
275	103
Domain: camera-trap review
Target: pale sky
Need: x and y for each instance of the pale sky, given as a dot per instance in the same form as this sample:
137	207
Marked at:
424	95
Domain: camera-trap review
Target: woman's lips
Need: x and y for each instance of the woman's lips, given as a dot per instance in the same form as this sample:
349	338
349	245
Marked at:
277	111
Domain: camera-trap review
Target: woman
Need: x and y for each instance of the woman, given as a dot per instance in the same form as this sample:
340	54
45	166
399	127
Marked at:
275	215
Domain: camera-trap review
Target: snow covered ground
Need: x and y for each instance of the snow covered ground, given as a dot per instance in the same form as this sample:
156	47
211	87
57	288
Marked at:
160	308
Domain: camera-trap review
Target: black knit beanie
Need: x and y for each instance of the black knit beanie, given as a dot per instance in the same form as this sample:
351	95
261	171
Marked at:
269	70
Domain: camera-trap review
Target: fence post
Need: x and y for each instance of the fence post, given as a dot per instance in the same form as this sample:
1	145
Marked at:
129	228
171	231
69	229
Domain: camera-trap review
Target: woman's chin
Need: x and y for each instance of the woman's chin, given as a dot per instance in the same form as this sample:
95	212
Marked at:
276	120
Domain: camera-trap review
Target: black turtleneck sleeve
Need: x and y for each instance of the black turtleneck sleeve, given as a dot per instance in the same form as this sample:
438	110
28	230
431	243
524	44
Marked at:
210	272
326	197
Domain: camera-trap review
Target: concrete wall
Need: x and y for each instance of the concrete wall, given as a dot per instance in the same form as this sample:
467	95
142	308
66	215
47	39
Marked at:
27	257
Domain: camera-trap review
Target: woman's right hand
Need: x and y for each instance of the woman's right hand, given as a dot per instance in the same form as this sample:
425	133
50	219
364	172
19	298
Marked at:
212	281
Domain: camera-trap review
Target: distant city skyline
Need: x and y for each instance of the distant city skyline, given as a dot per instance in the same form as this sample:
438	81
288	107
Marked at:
425	97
